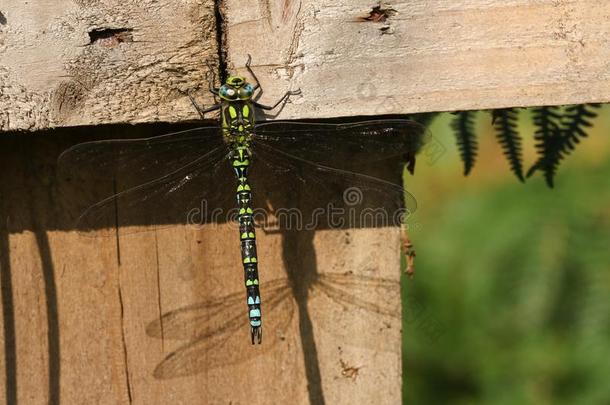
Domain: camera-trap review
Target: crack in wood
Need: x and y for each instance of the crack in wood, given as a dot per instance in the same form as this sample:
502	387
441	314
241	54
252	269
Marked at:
120	293
110	37
221	39
124	341
159	293
116	223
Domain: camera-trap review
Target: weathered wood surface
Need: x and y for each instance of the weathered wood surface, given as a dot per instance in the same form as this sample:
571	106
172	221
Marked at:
67	63
427	55
349	59
124	319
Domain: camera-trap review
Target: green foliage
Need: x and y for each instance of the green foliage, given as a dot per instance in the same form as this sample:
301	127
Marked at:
463	127
557	131
516	312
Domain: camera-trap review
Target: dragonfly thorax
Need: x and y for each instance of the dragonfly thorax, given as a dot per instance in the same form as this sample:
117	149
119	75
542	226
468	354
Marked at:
237	121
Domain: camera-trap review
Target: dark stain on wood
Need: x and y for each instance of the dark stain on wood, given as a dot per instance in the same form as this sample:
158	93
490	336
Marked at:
378	14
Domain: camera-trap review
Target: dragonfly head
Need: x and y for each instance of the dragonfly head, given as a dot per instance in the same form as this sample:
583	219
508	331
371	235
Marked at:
236	88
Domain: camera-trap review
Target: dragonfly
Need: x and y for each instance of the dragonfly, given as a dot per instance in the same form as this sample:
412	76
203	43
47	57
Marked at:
158	179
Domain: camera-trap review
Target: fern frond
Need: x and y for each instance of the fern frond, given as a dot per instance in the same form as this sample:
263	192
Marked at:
495	114
574	122
558	135
505	122
549	141
463	127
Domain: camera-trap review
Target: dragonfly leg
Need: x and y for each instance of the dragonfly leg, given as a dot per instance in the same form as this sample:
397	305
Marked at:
202	112
213	90
257	85
248	62
281	100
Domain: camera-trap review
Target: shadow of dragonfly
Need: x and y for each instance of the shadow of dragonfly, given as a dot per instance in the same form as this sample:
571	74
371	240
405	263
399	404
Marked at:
213	329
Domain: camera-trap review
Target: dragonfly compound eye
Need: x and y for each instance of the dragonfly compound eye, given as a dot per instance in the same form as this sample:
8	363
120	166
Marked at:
228	92
246	91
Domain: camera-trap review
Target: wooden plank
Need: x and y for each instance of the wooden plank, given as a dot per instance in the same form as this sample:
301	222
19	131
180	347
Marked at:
424	55
67	63
348	57
125	319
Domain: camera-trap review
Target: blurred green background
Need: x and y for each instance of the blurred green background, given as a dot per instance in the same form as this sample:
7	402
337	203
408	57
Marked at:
510	303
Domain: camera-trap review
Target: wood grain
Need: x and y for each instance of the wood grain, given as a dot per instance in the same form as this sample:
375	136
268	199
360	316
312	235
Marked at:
159	315
426	55
68	63
412	56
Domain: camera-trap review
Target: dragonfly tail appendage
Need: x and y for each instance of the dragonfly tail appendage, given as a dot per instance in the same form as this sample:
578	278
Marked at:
257	334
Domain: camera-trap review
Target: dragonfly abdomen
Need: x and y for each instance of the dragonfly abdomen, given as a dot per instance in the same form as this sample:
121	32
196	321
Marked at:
247	235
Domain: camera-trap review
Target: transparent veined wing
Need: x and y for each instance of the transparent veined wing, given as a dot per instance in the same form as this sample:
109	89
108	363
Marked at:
343	165
309	195
343	145
161	181
146	158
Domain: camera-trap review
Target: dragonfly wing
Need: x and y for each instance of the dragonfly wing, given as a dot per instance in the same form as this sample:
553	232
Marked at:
145	158
106	178
328	197
188	195
343	145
